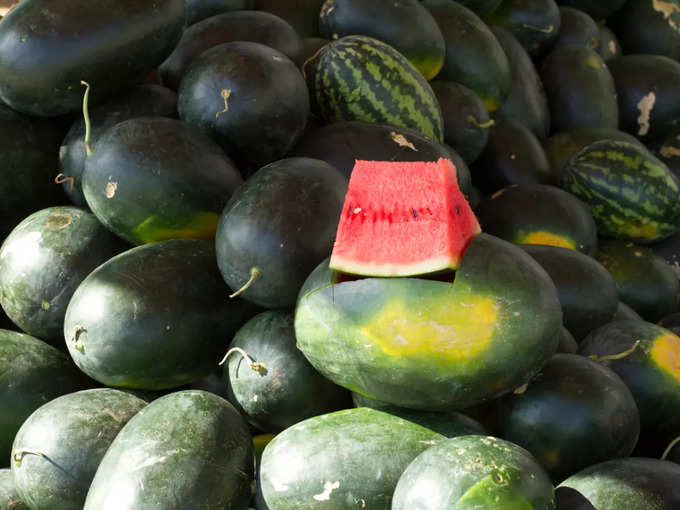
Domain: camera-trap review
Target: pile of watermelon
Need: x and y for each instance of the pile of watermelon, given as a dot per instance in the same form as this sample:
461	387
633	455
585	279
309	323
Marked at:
340	254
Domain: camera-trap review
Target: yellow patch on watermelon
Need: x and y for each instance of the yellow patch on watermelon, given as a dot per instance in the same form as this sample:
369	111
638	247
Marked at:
665	352
437	329
642	231
158	228
546	238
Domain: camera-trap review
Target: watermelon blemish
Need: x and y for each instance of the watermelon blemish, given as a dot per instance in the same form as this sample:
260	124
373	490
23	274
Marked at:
403	219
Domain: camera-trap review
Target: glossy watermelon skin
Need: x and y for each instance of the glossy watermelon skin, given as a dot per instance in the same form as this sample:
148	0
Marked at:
474	57
406	26
153	178
539	214
161	319
41	69
349	331
188	449
146	100
643	280
361	78
632	195
574	413
576	27
471	472
73	431
620	484
65	245
357	454
31	373
241	25
651	373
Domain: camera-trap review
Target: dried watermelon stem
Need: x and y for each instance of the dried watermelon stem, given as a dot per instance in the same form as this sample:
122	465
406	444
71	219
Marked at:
61	178
483	125
620	355
256	366
86	116
255	273
19	456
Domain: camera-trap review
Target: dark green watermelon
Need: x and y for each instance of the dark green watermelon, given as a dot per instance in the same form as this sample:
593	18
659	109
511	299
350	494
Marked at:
669	250
643	280
282	223
254	26
568	344
580	89
513	155
474	57
625	312
561	146
573	414
31	374
198	10
622	484
648	26
466	120
119	43
357	457
162	316
526	102
360	78
30	153
632	195
586	290
535	23
577	27
481	7
9	497
406	26
609	46
189	449
58	448
539	214
645	356
449	424
598	9
153	178
667	150
471	472
647	92
146	100
42	262
252	99
342	143
281	388
303	15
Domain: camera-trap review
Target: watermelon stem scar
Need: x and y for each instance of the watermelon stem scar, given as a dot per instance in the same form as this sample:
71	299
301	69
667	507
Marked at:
256	366
620	355
255	273
670	447
19	456
78	345
86	116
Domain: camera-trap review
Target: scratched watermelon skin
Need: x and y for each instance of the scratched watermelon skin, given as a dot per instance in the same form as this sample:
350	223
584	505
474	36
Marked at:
361	78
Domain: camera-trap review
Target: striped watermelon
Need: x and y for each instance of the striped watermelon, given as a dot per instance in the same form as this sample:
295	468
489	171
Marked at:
631	194
361	78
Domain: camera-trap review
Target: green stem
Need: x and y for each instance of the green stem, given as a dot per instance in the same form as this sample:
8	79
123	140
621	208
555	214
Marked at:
485	125
260	368
255	273
620	355
670	447
86	115
19	456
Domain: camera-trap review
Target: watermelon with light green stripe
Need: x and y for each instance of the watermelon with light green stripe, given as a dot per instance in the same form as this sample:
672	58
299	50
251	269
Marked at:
651	371
632	195
433	345
361	78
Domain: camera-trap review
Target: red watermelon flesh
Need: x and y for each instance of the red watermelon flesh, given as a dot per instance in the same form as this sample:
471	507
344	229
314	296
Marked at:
402	219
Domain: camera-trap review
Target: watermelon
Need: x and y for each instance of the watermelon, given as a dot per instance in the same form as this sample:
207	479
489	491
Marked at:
9	497
402	219
361	78
632	195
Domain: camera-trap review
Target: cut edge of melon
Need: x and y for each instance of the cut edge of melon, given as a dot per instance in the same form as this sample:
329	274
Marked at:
338	263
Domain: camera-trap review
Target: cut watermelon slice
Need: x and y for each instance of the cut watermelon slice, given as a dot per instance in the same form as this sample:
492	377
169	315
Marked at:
402	219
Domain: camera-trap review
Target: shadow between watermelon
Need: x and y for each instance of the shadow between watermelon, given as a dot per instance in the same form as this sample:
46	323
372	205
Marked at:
426	344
